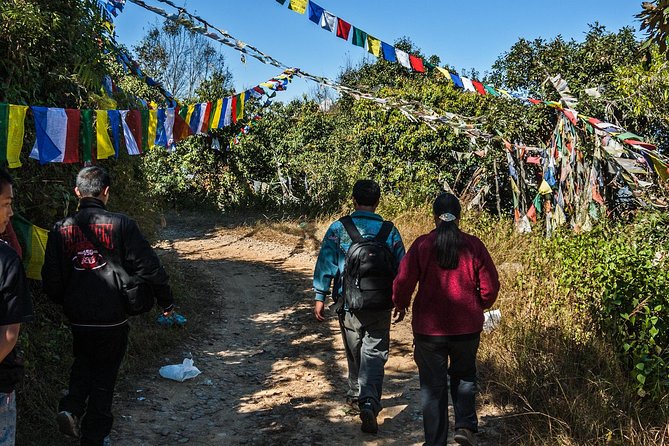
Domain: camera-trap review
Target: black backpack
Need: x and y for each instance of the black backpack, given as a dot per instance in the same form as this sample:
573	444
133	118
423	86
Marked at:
369	269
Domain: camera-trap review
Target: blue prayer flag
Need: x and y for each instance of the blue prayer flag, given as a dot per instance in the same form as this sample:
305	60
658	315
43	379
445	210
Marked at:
315	12
388	52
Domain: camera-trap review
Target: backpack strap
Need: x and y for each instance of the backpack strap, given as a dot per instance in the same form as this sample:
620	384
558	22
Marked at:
351	229
384	232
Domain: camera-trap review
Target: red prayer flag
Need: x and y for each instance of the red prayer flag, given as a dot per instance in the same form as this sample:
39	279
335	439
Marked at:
532	214
479	87
343	28
534	101
134	121
417	63
207	114
234	109
72	137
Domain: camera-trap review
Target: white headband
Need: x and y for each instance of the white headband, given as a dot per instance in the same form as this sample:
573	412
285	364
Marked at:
447	217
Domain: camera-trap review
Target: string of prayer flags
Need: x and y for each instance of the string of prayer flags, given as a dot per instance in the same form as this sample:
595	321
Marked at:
12	125
57	135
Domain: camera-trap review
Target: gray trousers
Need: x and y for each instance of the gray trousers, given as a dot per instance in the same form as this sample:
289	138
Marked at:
366	336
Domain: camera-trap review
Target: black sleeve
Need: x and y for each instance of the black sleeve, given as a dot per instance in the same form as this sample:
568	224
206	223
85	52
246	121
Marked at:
53	275
141	260
15	305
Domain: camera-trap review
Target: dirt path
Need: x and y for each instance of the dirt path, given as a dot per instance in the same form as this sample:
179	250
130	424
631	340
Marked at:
271	374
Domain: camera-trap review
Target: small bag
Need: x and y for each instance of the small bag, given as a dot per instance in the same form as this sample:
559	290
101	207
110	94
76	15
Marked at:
137	294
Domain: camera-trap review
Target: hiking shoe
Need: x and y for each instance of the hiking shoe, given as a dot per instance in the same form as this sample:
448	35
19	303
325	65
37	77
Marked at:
368	418
68	423
465	437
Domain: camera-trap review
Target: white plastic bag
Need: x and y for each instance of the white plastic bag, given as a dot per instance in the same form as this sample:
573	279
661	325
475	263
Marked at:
491	320
180	372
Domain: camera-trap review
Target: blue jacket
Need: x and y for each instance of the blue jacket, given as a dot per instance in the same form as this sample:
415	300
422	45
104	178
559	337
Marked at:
330	263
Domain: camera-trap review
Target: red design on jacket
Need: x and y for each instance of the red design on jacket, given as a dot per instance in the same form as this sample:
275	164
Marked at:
448	302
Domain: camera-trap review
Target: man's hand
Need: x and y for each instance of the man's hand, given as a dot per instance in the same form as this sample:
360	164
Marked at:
399	314
319	310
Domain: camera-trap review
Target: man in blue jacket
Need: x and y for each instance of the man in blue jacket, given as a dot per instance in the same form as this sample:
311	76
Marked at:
365	332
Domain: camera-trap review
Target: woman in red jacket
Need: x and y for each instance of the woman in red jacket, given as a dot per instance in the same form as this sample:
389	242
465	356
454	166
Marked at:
457	280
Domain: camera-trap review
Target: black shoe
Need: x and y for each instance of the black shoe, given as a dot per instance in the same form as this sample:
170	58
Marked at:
368	418
465	437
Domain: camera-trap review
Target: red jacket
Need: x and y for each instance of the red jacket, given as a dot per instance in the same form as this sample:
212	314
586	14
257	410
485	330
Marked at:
448	302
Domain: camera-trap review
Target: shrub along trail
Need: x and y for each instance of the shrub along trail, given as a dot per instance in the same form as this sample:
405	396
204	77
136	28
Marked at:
271	375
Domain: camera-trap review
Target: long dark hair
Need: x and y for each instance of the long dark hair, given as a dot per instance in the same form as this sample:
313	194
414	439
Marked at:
448	243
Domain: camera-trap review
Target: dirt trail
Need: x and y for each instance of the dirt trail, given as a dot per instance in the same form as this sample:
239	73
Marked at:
271	375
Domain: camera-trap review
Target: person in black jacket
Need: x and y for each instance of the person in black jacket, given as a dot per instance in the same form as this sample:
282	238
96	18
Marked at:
15	308
77	276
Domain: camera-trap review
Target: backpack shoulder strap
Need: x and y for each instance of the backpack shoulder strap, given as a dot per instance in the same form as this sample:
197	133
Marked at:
384	232
351	229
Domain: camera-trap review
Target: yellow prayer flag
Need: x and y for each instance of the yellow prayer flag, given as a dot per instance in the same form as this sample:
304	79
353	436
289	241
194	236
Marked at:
153	127
299	6
17	116
374	45
189	113
545	188
37	247
445	72
105	147
213	122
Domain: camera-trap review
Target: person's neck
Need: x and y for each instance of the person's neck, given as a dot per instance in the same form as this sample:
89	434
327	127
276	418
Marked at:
371	209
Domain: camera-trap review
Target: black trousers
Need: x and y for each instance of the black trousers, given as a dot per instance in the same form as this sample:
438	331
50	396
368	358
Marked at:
98	353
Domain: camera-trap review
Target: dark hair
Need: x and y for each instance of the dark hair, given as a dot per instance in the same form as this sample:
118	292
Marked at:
5	179
449	241
366	192
92	181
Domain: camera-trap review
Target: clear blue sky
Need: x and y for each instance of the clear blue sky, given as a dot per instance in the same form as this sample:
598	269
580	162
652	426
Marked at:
463	34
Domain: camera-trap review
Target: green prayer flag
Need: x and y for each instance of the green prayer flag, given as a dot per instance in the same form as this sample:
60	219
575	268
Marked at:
145	130
87	135
359	37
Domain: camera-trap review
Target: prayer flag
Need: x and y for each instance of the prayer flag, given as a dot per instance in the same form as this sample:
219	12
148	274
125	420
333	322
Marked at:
374	45
216	116
104	144
12	120
457	80
241	97
161	135
315	12
467	84
115	122
328	21
153	128
299	6
491	90
168	125
403	58
33	243
145	129
181	128
417	63
57	135
445	72
478	86
343	28
87	135
283	2
132	131
204	117
359	37
388	52
227	114
193	118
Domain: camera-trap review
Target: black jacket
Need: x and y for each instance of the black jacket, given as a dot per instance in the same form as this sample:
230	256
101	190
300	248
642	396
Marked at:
78	277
